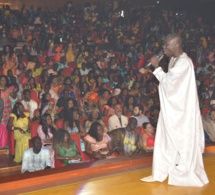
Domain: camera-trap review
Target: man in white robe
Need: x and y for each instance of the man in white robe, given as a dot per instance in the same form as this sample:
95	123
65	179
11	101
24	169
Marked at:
179	141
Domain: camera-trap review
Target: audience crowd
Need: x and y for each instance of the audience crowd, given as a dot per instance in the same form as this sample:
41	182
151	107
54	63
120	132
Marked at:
71	78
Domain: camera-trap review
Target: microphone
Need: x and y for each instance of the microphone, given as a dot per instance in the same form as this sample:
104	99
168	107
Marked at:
158	56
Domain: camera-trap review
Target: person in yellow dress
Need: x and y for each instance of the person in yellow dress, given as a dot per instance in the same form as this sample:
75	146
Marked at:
70	57
19	123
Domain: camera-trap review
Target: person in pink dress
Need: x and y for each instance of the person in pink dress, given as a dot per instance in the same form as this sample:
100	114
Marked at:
45	131
4	94
98	144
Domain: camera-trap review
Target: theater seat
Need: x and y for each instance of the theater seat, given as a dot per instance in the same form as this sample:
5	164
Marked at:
105	120
72	65
34	95
76	137
11	143
59	124
67	71
33	126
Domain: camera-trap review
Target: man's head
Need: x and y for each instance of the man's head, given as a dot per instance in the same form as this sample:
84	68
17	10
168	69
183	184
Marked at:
172	45
132	123
118	109
212	115
27	95
37	144
138	110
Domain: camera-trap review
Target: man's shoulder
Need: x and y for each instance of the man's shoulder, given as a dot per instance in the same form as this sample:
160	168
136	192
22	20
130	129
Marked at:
134	116
44	150
112	116
29	151
144	116
123	116
33	102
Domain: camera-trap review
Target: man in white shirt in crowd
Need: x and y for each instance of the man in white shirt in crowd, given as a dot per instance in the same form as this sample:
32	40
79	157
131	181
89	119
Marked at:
84	70
47	89
117	120
138	114
36	158
29	105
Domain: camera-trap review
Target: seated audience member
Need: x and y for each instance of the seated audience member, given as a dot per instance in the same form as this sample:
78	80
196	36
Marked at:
117	120
148	137
101	63
62	63
24	79
54	84
37	70
123	95
72	116
84	70
15	94
9	59
69	87
29	105
48	63
93	117
60	78
135	90
77	127
65	95
154	114
36	158
126	140
47	89
129	105
19	123
21	69
53	70
90	106
212	102
109	107
45	131
51	109
138	114
104	98
32	85
149	104
98	144
209	125
65	148
44	78
66	112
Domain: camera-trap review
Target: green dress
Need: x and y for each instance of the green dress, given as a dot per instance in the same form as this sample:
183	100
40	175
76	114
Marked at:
68	152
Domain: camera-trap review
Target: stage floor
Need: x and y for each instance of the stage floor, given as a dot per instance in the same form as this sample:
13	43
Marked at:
128	183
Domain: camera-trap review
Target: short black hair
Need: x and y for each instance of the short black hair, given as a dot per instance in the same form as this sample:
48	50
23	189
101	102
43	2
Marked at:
35	138
26	91
140	106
